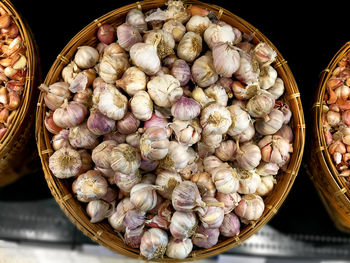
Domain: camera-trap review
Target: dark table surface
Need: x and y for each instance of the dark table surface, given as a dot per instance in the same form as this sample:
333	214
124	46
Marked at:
307	37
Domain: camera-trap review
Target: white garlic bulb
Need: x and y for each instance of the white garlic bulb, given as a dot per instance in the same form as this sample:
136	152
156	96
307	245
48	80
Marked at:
212	140
240	120
86	57
154	243
271	123
226	59
218	33
212	214
186	132
277	89
136	18
218	93
154	143
248	156
264	54
117	217
98	210
176	28
215	119
266	169
112	67
210	163
168	180
179	249
267	77
230	201
261	104
141	105
249	181
190	47
70	71
164	90
101	154
226	150
225	179
203	71
125	159
65	162
144	196
266	185
198	24
164	40
145	57
248	71
251	207
132	81
177	157
183	224
247	134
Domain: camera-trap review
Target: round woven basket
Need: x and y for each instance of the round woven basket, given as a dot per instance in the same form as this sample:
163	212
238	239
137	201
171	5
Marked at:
103	233
15	146
334	192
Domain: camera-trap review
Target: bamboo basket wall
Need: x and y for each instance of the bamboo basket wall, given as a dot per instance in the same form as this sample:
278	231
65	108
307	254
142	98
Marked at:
103	233
334	192
15	146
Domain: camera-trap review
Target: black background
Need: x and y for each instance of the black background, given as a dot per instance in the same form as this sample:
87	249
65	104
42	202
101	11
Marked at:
307	36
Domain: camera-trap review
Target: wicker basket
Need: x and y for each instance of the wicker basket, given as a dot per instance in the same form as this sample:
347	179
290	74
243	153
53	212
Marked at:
103	233
334	192
15	146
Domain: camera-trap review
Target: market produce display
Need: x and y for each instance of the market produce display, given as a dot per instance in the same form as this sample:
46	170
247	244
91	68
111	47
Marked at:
172	128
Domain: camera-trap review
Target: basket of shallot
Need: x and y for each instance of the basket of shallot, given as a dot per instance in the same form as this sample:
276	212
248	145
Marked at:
170	130
18	73
329	161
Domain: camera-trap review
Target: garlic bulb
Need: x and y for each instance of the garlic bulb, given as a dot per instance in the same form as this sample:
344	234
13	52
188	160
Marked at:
190	46
181	71
144	196
218	93
132	81
277	89
212	140
225	179
97	210
157	121
287	113
231	225
264	54
198	24
55	94
226	150
125	159
212	214
206	238
65	162
168	180
185	109
112	67
186	197
90	186
127	181
81	137
179	249
240	120
128	124
70	71
261	104
248	156
266	169
176	28
203	71
115	136
164	90
61	140
82	80
86	57
215	119
186	132
218	33
242	92
70	114
177	157
154	143
163	40
230	201
183	224
85	160
226	59
133	237
199	95
248	71
247	134
275	149
210	163
117	217
99	124
84	97
112	103
154	243
251	207
271	123
128	35
149	178
266	185
204	183
267	77
134	218
249	181
101	154
110	196
286	132
141	105
136	18
145	57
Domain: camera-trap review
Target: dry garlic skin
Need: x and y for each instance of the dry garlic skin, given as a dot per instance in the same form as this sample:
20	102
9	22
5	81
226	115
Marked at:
125	159
215	119
65	162
90	186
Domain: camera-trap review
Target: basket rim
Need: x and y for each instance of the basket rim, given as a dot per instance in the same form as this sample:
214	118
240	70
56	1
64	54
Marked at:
293	97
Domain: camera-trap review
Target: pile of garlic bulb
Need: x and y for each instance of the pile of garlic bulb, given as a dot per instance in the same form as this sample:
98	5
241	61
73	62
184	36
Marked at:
173	132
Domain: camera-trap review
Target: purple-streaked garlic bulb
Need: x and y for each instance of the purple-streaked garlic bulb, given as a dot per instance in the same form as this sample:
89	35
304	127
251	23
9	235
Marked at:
65	162
183	224
70	114
157	121
148	165
226	59
250	208
248	71
186	132
181	71
81	137
99	124
185	109
117	217
179	248
128	124
271	123
134	218
133	237
144	196
230	201
231	226
98	210
210	163
154	243
177	157
275	149
261	104
248	156
168	180
101	154
206	237
61	140
127	36
212	214
127	181
186	197
125	159
226	150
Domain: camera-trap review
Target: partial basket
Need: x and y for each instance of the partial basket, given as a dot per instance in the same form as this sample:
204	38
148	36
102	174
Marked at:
14	145
103	233
332	188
